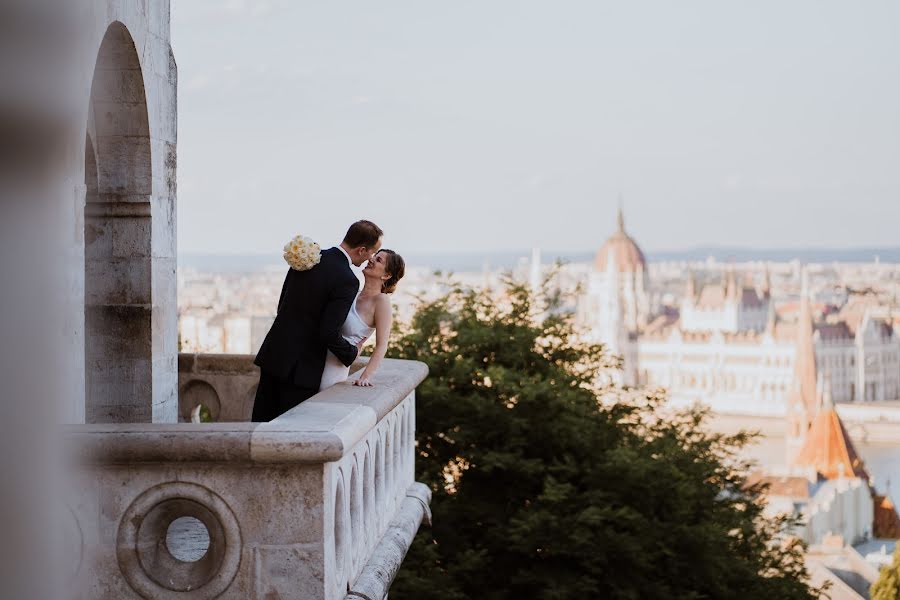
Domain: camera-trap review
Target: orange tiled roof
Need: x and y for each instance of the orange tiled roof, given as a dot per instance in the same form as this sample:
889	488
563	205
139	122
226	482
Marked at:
829	450
778	485
805	362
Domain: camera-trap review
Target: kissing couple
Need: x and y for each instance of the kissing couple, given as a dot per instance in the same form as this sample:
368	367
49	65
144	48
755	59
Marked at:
324	319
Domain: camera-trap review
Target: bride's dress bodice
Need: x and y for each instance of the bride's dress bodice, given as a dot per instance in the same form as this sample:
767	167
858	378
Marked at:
354	330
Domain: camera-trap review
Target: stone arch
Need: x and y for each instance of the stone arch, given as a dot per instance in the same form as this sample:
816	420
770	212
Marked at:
389	458
199	393
117	238
341	524
90	171
404	438
379	476
369	508
397	458
357	524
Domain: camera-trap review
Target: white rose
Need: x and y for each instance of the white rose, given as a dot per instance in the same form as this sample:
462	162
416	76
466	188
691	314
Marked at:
302	253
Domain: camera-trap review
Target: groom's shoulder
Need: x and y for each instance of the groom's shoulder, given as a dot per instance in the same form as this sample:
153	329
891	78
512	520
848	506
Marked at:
329	255
335	260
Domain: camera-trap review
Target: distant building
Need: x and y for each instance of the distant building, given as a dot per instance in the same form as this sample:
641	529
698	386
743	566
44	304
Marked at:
727	306
827	485
725	345
236	333
259	327
619	274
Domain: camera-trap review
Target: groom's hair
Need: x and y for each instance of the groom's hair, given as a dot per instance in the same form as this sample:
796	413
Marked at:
363	233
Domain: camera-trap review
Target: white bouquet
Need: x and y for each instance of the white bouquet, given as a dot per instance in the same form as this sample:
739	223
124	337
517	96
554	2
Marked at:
302	254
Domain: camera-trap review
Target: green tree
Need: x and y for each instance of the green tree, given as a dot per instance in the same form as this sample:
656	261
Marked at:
887	587
547	485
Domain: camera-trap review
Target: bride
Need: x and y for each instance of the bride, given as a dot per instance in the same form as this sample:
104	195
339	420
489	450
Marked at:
372	305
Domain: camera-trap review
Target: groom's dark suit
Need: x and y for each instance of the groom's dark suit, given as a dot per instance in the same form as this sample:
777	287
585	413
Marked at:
311	311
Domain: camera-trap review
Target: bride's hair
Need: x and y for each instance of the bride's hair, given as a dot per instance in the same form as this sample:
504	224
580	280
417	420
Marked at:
395	266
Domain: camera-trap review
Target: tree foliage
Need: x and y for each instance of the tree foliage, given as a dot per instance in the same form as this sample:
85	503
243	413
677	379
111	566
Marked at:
887	586
547	485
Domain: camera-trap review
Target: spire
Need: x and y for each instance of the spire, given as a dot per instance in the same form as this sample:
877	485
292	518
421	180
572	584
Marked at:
767	282
772	319
827	400
805	360
731	284
805	307
620	217
827	447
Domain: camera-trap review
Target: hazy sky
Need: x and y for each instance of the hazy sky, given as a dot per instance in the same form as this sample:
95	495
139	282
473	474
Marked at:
486	125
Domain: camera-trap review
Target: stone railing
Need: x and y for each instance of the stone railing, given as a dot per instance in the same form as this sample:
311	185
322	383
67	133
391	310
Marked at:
320	503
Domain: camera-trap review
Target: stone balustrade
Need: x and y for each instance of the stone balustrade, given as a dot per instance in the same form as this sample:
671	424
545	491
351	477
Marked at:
320	503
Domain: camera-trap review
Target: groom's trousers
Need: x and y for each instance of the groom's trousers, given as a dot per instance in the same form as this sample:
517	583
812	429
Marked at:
275	396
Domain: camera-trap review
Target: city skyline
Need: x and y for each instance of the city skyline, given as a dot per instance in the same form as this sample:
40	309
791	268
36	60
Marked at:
505	126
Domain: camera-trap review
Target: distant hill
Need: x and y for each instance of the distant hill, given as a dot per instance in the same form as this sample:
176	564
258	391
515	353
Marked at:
808	255
223	263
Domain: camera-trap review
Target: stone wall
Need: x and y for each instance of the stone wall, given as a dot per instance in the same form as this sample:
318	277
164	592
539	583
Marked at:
123	328
314	505
223	383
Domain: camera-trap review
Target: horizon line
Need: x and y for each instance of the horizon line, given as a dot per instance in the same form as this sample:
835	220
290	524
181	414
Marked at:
528	250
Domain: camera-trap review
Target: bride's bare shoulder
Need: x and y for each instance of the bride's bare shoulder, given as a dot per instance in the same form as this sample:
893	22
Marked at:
383	300
383	310
383	303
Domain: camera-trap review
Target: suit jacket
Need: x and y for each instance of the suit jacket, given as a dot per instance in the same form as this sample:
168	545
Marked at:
311	311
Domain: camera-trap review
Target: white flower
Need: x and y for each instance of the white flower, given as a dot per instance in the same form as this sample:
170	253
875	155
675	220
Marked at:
302	253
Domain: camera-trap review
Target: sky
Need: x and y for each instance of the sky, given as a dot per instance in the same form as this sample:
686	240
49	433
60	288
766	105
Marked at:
484	126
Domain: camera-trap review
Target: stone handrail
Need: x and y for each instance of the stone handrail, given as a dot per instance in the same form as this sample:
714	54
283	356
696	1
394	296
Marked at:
318	430
295	508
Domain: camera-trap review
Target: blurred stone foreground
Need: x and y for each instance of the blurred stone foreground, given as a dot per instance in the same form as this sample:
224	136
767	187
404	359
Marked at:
132	501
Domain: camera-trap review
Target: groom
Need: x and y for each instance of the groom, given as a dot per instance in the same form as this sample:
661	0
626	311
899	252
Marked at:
311	311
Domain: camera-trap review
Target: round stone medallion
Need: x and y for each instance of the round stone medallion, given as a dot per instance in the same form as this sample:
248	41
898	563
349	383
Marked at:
144	539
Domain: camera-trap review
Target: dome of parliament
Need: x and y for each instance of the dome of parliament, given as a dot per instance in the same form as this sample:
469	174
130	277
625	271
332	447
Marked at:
628	255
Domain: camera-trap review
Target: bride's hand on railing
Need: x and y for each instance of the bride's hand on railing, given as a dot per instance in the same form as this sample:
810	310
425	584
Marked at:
363	381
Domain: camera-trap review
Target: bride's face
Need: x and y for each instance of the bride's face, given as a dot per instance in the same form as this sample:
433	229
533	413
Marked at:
376	267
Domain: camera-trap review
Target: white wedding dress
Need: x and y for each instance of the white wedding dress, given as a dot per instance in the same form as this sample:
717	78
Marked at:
354	331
